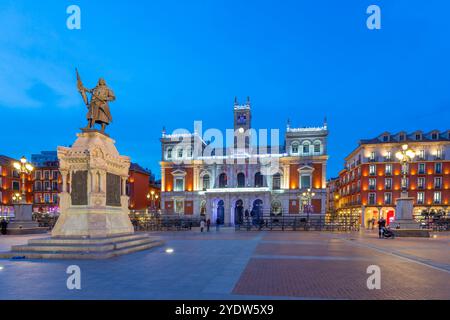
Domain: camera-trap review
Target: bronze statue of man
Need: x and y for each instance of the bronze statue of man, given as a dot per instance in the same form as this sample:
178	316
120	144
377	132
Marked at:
98	108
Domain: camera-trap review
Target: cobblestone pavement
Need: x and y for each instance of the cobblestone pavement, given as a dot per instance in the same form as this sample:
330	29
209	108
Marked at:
244	265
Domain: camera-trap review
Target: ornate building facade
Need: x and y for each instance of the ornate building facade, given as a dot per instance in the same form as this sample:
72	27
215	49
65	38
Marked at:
371	179
227	183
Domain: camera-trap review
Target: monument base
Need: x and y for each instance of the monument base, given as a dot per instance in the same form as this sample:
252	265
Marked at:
82	247
23	223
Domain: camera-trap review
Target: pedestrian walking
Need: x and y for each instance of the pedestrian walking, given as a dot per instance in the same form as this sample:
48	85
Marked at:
4	226
208	224
202	225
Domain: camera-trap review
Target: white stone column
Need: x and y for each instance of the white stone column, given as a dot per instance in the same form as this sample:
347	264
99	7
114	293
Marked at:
163	179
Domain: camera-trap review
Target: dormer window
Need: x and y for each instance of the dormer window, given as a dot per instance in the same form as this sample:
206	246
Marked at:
434	136
402	137
385	138
418	136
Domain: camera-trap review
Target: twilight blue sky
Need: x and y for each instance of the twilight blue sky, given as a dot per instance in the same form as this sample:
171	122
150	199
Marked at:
173	62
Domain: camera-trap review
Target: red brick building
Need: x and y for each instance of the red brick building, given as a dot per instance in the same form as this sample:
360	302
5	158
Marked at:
11	183
138	187
371	180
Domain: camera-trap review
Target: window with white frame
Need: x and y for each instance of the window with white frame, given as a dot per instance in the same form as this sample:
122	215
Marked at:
437	197
206	182
180	153
179	183
388	198
317	147
305	147
294	148
421	182
388	183
179	206
388	170
422	154
420	197
372	198
438	168
437	182
421	168
372	183
372	169
305	181
169	154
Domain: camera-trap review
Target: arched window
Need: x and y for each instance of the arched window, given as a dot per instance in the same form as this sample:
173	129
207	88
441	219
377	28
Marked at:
241	180
169	154
317	147
206	182
223	180
276	181
305	147
259	180
294	147
180	153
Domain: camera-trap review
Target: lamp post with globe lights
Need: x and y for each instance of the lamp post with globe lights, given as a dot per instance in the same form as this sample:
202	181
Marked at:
405	156
306	201
23	215
24	168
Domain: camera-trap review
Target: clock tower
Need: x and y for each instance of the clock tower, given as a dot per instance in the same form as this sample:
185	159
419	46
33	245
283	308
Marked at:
242	124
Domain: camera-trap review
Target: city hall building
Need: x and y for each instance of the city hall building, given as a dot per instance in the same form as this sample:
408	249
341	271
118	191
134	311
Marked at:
226	183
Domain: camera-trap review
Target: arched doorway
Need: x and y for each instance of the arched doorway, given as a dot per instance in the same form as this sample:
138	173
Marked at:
257	211
221	212
241	180
239	212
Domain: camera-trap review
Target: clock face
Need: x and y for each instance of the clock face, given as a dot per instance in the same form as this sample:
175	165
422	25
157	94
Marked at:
242	118
241	130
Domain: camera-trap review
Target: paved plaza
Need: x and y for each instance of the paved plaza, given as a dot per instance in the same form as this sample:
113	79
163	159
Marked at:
244	265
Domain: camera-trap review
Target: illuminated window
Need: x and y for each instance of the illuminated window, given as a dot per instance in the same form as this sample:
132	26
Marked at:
372	169
421	183
388	183
205	182
388	169
388	198
437	182
305	181
420	197
437	197
372	183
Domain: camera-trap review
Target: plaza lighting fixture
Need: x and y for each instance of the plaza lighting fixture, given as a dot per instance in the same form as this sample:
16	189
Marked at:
306	197
23	168
405	156
169	250
1	268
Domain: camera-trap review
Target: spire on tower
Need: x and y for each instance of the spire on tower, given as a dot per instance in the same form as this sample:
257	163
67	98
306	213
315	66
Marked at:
248	101
236	101
325	123
288	123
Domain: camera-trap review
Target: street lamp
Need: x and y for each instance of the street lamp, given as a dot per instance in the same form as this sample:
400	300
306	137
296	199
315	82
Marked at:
306	197
23	168
405	156
152	196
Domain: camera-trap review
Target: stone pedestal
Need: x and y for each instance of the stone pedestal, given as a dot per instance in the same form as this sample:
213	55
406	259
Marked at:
23	221
94	221
404	213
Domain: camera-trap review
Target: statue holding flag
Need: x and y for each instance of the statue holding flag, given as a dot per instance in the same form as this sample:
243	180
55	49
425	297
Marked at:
98	108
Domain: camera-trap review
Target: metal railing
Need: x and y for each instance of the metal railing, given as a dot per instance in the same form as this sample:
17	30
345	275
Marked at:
315	222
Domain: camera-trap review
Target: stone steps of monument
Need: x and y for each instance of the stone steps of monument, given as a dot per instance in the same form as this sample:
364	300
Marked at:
56	246
87	241
82	254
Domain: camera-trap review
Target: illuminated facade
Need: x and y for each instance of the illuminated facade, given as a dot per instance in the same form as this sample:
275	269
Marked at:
46	182
10	184
371	180
226	183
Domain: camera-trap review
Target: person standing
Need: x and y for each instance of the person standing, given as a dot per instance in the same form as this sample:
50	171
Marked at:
217	224
208	224
202	225
4	226
381	226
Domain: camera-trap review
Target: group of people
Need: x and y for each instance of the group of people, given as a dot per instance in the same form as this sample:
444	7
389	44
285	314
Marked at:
208	224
